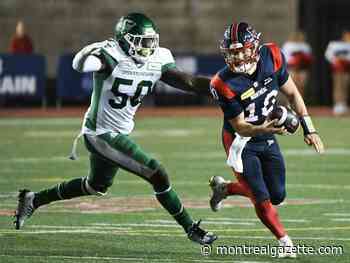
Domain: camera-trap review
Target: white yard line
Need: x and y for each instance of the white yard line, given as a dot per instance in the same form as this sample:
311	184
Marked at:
255	220
39	159
180	155
319	186
220	260
165	234
207	222
41	122
340	219
136	134
336	214
133	259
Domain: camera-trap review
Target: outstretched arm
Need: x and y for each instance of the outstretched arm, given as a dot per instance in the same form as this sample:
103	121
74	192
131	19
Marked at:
187	82
310	135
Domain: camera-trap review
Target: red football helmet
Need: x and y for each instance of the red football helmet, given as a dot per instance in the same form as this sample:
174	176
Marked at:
240	48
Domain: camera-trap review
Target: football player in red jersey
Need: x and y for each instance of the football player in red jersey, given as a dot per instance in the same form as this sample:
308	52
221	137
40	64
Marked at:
246	90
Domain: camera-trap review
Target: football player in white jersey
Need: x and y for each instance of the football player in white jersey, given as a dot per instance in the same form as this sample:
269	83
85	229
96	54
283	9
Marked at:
125	69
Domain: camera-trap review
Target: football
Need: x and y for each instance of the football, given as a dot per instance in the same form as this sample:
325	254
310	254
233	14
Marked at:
286	118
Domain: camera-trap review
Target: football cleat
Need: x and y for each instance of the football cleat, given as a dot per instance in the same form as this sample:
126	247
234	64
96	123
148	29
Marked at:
198	235
218	186
25	207
286	248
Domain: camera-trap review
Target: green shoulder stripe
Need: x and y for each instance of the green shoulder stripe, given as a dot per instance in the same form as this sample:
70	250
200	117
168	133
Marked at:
111	61
168	66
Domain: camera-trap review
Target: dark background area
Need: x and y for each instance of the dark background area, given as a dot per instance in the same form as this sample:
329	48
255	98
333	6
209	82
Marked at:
322	21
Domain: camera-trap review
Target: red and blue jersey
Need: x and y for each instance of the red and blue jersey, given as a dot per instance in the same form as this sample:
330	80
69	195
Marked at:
255	94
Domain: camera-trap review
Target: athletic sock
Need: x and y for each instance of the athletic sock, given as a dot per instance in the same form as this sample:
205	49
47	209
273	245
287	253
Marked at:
171	202
62	191
237	188
269	217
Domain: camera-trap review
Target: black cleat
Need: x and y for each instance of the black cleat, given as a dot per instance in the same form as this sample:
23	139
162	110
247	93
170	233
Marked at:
198	235
25	207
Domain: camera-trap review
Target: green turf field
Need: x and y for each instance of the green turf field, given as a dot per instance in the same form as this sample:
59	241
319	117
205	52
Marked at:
128	225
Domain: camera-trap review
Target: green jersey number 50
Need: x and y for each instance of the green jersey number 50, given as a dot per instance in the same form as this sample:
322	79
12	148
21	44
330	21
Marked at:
136	99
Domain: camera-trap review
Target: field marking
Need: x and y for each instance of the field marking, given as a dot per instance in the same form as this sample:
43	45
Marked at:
136	134
9	195
319	186
133	259
93	226
336	214
220	260
142	203
133	228
181	155
287	152
207	222
42	121
164	234
256	220
50	134
340	219
38	159
89	258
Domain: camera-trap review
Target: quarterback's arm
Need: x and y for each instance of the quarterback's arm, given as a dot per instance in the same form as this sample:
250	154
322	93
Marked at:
187	82
247	129
291	91
310	135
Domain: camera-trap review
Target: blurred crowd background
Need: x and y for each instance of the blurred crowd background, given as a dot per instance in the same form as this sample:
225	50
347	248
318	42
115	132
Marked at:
39	38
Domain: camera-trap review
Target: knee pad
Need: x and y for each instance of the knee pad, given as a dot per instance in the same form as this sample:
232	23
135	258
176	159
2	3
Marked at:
160	179
95	188
278	198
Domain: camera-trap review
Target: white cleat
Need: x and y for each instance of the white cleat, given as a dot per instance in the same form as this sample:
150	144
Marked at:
286	248
218	186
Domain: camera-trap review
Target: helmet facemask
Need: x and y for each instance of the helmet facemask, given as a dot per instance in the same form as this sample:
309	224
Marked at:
141	47
138	36
241	56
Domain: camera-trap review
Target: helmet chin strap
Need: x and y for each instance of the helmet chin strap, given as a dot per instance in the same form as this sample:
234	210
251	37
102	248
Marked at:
252	68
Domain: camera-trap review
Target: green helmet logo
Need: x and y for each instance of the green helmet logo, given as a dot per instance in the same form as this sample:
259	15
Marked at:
137	35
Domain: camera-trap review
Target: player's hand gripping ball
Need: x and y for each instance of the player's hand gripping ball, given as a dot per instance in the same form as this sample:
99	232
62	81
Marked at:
285	118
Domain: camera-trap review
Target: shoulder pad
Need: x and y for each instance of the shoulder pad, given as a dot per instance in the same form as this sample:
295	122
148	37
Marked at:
275	54
113	49
221	87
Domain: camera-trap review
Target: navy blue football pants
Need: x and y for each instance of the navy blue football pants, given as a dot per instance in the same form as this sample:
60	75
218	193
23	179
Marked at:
263	169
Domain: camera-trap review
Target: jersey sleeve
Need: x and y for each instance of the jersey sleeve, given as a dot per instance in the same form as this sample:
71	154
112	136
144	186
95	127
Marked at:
166	58
279	63
226	97
108	54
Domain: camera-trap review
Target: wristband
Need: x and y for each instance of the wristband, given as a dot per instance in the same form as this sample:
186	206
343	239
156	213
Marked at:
307	125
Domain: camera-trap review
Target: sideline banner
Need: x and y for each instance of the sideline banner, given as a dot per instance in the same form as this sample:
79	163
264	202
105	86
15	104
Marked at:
72	85
22	76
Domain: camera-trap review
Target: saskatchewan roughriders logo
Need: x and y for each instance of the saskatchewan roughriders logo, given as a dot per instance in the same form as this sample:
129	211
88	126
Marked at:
125	25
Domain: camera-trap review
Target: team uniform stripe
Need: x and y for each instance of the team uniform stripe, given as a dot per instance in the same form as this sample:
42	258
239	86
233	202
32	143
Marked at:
119	158
227	139
276	55
234	35
221	87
